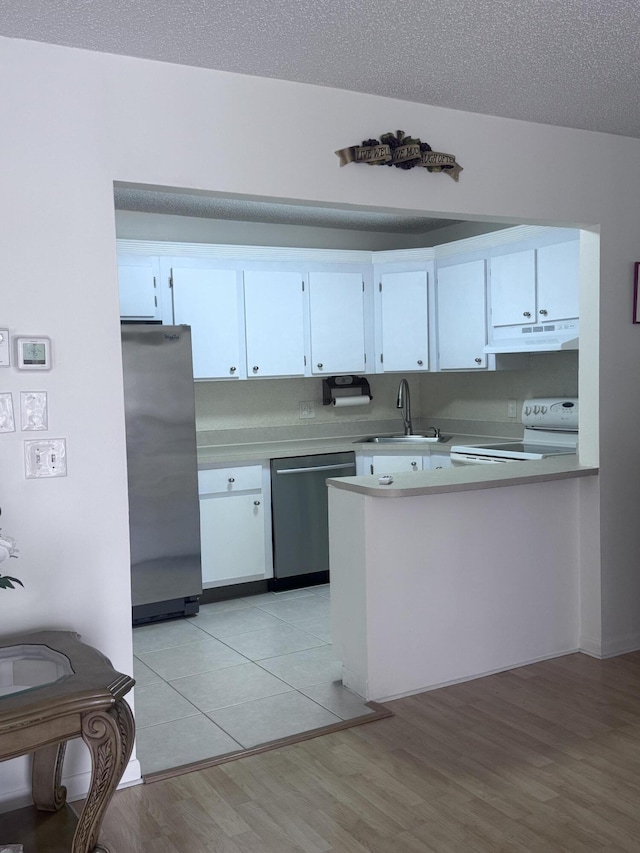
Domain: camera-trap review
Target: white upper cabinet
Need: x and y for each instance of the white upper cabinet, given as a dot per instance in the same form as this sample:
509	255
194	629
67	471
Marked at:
558	281
462	316
336	304
535	286
404	316
513	288
207	300
137	281
274	321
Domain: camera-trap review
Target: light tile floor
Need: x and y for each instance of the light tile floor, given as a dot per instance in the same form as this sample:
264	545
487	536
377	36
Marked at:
242	672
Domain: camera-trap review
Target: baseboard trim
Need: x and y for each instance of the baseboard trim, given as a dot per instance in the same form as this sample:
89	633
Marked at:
427	688
77	788
613	647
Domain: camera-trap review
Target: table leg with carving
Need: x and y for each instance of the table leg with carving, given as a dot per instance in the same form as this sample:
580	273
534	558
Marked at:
48	794
109	736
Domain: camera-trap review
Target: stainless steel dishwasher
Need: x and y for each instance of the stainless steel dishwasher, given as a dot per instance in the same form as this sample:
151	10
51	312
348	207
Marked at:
300	516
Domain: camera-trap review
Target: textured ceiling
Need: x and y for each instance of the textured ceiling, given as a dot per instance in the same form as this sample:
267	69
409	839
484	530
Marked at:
573	63
213	207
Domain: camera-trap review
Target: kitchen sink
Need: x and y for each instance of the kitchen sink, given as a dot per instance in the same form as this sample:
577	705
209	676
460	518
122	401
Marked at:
404	439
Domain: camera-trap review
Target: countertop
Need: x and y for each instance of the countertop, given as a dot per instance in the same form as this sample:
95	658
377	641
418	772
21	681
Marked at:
215	454
467	477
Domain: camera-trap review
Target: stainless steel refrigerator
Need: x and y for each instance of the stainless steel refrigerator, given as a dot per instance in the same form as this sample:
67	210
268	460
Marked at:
164	515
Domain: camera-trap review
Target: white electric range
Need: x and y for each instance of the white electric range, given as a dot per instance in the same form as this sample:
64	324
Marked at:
551	429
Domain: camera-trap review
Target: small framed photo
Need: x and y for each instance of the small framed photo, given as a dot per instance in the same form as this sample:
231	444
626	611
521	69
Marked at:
636	294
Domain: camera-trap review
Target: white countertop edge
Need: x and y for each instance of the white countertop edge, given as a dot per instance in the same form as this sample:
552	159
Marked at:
466	478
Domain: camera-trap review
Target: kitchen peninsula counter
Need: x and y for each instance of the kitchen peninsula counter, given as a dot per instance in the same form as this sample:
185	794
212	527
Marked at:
466	477
452	574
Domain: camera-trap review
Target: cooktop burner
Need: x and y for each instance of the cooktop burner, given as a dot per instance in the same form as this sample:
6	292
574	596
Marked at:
516	447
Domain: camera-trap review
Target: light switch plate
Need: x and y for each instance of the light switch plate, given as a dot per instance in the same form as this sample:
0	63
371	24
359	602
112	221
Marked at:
45	458
5	358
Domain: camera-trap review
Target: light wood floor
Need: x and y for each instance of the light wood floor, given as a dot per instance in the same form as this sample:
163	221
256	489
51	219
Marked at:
541	759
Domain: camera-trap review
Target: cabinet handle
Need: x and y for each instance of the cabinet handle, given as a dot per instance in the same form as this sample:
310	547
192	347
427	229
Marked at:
544	312
320	365
232	370
478	360
420	362
255	369
414	464
232	479
526	313
256	503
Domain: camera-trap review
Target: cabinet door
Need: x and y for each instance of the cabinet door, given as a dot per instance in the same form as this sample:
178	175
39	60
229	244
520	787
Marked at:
137	282
405	322
232	538
274	318
396	464
462	316
513	289
558	281
207	300
337	322
440	460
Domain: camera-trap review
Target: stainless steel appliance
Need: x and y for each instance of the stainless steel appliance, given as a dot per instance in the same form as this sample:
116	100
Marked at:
299	507
164	516
551	429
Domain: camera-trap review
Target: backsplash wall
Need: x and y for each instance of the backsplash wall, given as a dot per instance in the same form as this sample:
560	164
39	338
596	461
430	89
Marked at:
437	397
276	402
483	396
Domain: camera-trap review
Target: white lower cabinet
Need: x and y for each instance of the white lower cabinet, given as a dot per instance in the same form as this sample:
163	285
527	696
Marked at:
235	524
396	464
439	460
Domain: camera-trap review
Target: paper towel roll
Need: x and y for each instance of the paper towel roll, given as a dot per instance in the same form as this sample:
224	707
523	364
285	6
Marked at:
354	400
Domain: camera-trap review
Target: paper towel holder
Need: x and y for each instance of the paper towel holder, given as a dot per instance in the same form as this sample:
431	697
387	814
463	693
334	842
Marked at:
352	385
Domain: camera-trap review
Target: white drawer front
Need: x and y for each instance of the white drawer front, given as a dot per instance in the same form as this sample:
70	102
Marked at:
228	480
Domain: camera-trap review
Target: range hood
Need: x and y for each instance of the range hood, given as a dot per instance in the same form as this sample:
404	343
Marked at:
551	337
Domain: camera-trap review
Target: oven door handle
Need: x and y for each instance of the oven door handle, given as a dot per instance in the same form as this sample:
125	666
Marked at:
469	459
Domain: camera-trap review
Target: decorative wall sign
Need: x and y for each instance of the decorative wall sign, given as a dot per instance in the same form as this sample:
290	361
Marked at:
403	152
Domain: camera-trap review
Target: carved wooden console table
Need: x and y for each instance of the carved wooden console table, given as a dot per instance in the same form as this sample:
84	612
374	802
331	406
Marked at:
52	688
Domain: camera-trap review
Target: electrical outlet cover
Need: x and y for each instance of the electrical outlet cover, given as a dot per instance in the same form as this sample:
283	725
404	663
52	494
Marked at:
46	458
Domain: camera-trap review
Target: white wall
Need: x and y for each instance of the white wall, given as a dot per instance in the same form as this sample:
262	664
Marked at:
74	122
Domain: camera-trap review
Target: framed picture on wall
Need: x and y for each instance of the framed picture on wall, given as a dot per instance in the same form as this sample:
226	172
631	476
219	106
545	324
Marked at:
636	295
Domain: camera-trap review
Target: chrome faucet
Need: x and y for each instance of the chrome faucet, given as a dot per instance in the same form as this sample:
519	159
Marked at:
404	403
